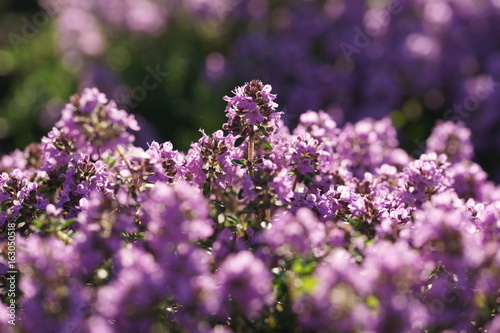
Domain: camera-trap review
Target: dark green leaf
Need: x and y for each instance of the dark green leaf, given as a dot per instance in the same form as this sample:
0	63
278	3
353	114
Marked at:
219	203
300	177
266	144
241	163
21	219
258	161
250	208
263	130
355	223
232	219
206	188
239	141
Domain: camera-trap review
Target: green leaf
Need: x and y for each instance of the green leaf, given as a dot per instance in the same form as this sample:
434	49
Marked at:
373	302
309	267
239	141
266	144
309	178
298	266
240	163
68	223
206	188
232	219
219	203
355	223
308	284
21	219
36	225
250	208
300	177
263	130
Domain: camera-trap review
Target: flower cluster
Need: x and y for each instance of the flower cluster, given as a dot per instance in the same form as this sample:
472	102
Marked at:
317	54
252	104
370	58
255	228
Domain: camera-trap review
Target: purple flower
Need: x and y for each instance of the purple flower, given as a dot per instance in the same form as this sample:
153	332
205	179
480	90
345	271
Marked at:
487	219
174	214
494	325
304	154
191	284
320	125
333	296
79	180
90	125
253	115
252	104
245	285
168	163
444	233
130	299
20	199
451	139
394	275
362	239
367	145
425	177
100	230
296	234
52	299
468	179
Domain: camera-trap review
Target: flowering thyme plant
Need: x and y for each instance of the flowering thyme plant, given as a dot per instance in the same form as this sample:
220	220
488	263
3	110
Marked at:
255	228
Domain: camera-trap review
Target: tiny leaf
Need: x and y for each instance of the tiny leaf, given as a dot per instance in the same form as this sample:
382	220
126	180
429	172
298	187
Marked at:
266	144
309	284
263	130
241	163
68	223
239	141
232	219
250	208
206	188
219	203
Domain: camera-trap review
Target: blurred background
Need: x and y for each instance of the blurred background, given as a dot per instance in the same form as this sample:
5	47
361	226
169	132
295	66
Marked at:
170	62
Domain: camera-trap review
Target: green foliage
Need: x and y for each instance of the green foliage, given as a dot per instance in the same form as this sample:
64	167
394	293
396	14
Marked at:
35	80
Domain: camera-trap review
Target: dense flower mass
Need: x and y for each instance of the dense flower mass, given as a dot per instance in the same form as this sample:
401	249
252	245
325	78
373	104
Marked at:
255	228
352	57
